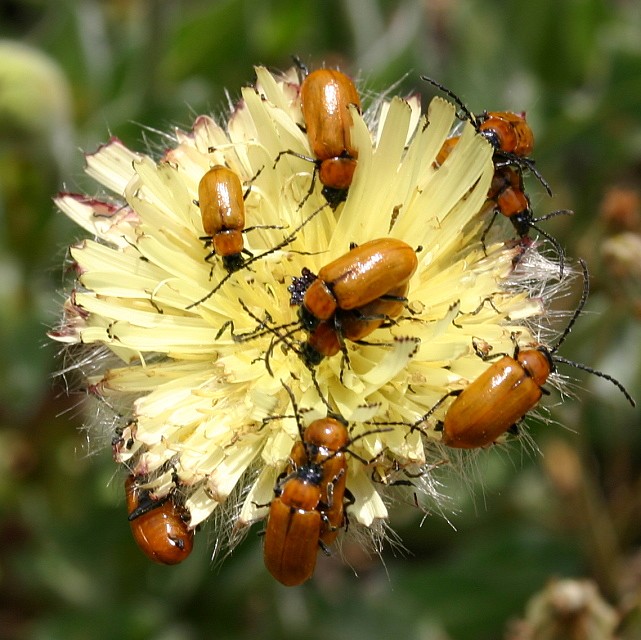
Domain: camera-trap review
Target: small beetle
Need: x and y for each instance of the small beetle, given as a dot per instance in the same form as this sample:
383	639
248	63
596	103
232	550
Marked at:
507	193
446	149
504	393
222	206
364	274
352	296
497	399
509	134
324	443
159	528
308	509
322	342
325	96
293	530
328	337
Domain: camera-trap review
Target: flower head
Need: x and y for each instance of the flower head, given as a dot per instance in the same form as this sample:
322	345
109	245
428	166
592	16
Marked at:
203	359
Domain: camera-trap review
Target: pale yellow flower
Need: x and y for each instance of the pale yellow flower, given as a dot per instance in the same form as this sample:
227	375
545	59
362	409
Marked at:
195	400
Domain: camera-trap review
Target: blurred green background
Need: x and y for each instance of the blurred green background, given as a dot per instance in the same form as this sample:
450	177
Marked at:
74	72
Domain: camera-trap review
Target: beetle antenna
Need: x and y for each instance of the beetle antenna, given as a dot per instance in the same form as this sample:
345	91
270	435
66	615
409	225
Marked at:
578	310
263	329
459	103
537	174
273	330
415	425
346	448
554	214
364	435
564	335
614	381
301	66
292	399
557	246
282	338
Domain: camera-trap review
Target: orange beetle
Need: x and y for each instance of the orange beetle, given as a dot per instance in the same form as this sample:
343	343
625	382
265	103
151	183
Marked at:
222	206
305	515
497	399
322	342
365	273
245	264
508	195
348	299
446	148
352	296
509	134
293	528
326	95
308	509
503	394
324	443
160	529
327	339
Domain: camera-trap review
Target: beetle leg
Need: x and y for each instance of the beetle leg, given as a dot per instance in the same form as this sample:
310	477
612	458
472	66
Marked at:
393	483
349	498
487	230
476	311
376	457
146	504
330	492
249	183
514	430
387	296
439	425
323	546
485	354
265	226
341	341
289	152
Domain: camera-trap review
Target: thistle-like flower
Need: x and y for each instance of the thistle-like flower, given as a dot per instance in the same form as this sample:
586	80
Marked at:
200	362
